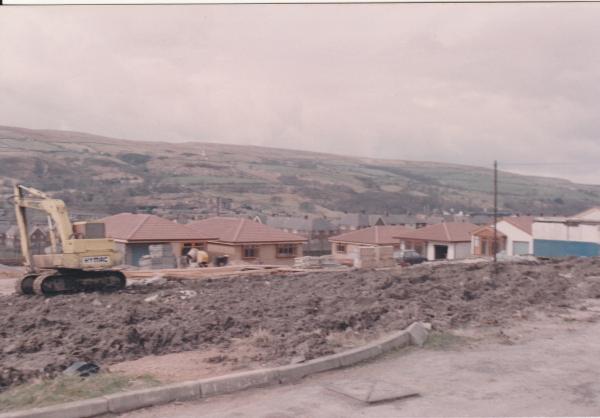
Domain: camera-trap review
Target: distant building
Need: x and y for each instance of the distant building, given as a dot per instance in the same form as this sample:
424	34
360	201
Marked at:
38	238
353	221
249	242
561	236
134	233
410	221
443	241
514	237
3	228
343	246
315	230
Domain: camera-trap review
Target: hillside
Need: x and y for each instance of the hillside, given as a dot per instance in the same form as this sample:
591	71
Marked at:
100	175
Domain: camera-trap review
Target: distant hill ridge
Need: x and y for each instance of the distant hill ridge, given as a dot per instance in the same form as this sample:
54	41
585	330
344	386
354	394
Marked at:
110	175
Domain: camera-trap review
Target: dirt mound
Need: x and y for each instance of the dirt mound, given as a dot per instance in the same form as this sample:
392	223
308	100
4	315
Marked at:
286	316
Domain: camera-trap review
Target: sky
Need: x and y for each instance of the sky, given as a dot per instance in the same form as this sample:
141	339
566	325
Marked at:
458	83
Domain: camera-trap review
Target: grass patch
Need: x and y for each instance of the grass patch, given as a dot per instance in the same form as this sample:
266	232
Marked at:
444	341
70	388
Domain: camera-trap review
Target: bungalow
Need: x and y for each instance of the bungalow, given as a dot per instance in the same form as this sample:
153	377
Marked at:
246	241
561	236
514	237
135	233
444	241
343	246
315	230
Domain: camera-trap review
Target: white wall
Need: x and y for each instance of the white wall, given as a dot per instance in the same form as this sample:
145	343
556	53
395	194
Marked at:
462	250
564	232
514	234
456	250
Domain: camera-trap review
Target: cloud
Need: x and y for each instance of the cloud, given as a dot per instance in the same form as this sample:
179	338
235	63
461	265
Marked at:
443	82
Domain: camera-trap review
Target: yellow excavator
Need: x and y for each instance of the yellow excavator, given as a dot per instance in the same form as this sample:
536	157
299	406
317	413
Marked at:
80	258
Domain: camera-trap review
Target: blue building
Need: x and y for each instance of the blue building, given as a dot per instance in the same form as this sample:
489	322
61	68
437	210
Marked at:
578	235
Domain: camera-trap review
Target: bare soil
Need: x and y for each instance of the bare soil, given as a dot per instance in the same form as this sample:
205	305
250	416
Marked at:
281	318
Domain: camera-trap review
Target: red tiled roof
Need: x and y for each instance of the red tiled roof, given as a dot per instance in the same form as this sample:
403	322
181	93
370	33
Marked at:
443	232
241	230
524	223
487	231
375	235
143	227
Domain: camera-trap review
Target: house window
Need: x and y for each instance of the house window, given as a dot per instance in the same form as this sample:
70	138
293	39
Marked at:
249	251
340	248
286	250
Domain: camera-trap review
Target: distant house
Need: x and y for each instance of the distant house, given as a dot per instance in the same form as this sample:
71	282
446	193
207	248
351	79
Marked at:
397	220
38	238
3	228
514	237
353	221
134	233
444	241
346	244
316	230
247	241
561	236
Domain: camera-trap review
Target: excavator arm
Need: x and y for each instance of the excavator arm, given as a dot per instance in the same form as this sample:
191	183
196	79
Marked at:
30	198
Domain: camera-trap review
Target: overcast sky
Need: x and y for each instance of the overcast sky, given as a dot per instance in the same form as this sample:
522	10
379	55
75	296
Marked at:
455	83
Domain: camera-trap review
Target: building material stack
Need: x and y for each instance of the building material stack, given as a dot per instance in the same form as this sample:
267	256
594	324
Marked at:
315	262
160	257
385	256
372	257
365	257
307	262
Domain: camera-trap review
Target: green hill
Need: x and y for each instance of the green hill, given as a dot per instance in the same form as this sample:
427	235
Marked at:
107	175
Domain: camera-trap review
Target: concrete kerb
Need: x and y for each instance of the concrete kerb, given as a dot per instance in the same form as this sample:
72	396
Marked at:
236	382
415	334
128	401
86	408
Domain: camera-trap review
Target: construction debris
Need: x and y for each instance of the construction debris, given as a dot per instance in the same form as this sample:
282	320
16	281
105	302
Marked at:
304	314
314	262
82	369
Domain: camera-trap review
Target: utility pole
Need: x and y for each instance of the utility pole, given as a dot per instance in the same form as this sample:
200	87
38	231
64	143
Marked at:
495	246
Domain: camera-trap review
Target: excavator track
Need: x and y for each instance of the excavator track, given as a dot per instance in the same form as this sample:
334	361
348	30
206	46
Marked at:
66	281
24	286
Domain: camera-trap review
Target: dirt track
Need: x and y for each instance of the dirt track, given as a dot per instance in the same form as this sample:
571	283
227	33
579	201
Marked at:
282	317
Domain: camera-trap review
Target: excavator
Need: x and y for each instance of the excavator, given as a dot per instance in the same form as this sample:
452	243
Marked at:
80	258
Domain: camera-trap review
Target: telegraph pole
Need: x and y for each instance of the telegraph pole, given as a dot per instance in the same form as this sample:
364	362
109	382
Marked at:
495	246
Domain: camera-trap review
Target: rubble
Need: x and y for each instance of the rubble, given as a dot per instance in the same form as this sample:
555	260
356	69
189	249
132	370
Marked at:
297	314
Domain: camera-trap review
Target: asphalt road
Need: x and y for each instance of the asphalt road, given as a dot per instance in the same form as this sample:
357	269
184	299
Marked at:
543	367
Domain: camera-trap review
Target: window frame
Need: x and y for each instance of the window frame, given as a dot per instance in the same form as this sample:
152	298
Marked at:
253	248
289	253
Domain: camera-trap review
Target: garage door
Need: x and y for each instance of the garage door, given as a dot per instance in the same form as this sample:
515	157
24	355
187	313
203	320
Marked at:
520	247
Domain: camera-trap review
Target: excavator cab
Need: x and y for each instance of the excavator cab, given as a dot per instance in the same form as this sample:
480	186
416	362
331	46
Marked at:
80	257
